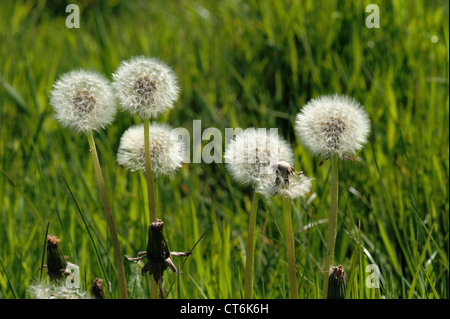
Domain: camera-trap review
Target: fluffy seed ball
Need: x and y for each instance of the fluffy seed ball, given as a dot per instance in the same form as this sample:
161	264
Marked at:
83	100
331	125
166	149
296	186
253	152
145	86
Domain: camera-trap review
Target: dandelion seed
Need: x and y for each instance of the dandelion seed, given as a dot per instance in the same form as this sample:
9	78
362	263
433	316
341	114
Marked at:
166	149
145	86
83	101
333	125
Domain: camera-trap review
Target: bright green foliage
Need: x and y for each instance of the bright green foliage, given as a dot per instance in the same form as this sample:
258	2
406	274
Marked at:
240	64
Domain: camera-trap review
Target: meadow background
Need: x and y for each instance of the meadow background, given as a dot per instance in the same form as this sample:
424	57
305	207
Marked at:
239	64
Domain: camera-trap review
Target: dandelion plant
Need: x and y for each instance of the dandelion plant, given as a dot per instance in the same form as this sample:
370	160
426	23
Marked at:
84	101
146	87
283	180
254	157
332	127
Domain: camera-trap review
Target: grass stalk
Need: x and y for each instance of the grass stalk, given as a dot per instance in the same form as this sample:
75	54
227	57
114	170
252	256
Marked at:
332	223
109	218
150	194
250	248
290	247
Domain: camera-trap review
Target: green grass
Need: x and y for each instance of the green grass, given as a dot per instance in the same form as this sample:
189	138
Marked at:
240	64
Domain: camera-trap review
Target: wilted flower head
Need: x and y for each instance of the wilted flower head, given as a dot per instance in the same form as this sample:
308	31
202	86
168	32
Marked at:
97	290
158	254
264	160
166	149
337	283
56	262
83	100
333	124
145	86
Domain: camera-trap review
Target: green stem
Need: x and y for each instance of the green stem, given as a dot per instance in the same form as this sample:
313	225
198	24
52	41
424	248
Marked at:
148	173
109	217
150	194
332	223
290	247
250	248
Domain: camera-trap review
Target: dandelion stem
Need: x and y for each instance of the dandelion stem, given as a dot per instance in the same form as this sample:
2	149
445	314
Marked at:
148	173
290	247
150	194
162	290
109	218
332	223
250	248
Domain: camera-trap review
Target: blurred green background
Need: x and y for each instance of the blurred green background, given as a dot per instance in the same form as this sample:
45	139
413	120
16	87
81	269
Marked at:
239	64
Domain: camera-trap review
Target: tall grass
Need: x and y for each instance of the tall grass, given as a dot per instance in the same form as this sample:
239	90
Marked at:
240	64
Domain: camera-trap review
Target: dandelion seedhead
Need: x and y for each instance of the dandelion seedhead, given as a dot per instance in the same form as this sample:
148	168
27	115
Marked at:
145	86
331	125
264	160
83	100
283	180
252	153
166	149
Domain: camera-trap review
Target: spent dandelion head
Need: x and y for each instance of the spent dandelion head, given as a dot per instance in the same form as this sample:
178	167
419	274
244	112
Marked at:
83	100
166	149
331	125
97	290
158	254
145	86
56	261
337	283
253	152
